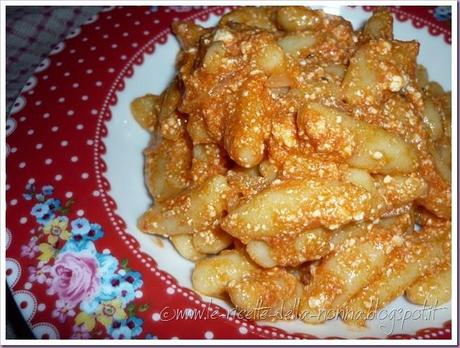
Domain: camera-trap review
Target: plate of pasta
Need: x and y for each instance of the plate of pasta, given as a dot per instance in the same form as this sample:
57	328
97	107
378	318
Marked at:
236	172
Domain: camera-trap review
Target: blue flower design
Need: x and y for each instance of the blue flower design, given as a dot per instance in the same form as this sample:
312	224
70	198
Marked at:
46	218
53	204
30	187
116	287
443	13
107	265
126	289
95	232
135	324
126	293
119	331
79	246
108	291
80	228
27	196
47	190
83	230
39	210
150	336
133	278
90	306
113	285
110	287
40	197
126	329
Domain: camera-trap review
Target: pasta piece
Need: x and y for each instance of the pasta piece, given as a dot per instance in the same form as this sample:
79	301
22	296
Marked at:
244	183
290	250
379	66
433	88
439	196
318	91
442	153
212	275
188	33
268	170
296	18
247	130
212	61
379	26
432	120
396	193
349	268
271	59
211	241
283	140
362	179
167	168
207	203
436	165
399	116
400	190
325	40
294	206
145	111
434	228
183	244
301	166
172	123
208	160
336	70
260	252
361	144
432	289
402	268
196	128
422	76
298	44
266	295
196	209
258	17
167	220
279	84
444	104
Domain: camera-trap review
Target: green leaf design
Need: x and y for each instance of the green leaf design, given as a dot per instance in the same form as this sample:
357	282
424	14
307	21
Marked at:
69	203
143	307
66	208
124	265
131	309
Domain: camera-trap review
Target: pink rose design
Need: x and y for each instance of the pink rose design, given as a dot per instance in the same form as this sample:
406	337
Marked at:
74	277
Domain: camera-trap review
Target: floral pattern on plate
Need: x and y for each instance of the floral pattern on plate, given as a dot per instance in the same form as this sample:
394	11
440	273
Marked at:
93	290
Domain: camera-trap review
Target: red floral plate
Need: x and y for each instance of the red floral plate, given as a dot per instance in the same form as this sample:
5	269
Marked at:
75	261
